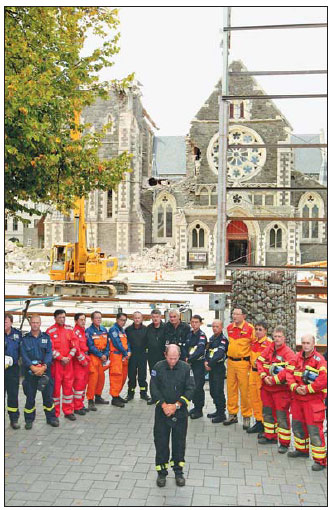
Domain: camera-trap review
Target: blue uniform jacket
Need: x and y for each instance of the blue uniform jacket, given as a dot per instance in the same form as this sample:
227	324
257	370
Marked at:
217	349
114	332
36	349
92	330
195	346
13	344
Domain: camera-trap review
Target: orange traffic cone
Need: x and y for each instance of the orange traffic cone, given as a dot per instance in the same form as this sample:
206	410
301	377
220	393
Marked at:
156	276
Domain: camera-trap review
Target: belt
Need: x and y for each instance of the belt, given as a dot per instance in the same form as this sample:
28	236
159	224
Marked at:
247	358
254	369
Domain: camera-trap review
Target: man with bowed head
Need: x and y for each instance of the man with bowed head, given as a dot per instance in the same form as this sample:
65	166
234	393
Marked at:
307	379
172	386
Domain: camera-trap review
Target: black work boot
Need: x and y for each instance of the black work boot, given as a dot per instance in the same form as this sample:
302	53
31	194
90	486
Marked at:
196	413
317	467
124	400
81	412
179	479
70	417
131	395
91	405
257	427
28	425
212	415
116	402
15	425
297	453
144	396
100	400
54	422
161	480
220	418
265	440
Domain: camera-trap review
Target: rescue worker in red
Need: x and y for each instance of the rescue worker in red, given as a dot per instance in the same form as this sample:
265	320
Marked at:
63	351
120	353
307	379
275	393
98	348
257	347
80	364
240	336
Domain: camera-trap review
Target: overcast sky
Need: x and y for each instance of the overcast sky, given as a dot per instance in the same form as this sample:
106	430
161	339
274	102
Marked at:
175	53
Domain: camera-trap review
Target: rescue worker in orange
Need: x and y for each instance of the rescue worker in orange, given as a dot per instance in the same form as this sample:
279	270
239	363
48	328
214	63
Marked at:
120	353
257	347
240	336
80	364
307	378
275	393
98	348
63	351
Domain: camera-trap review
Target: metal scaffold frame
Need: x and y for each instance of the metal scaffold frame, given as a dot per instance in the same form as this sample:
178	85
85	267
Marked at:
224	99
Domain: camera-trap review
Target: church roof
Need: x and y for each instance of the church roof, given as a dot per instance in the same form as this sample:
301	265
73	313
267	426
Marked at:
169	155
307	160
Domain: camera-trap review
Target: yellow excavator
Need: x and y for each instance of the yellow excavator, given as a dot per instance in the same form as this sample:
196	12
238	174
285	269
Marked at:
77	270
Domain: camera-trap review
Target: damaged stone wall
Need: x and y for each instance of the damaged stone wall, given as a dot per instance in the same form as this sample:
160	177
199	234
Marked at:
24	259
159	257
269	296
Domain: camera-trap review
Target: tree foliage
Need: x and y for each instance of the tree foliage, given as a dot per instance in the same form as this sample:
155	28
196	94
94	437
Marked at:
47	79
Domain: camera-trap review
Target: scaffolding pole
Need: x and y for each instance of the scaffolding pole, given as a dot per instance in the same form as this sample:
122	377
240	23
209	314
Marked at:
222	156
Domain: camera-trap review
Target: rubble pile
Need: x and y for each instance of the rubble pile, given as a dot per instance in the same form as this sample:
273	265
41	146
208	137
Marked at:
153	259
26	259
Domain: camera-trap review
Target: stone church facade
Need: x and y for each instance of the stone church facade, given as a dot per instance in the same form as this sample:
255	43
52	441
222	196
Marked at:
183	211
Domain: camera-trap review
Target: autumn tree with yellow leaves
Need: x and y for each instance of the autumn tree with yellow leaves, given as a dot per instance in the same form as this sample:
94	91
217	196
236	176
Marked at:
47	79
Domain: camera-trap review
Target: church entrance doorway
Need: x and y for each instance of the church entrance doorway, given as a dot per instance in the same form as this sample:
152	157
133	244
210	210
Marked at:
238	243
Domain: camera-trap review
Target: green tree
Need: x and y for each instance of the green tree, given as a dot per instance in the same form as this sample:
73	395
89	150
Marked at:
47	79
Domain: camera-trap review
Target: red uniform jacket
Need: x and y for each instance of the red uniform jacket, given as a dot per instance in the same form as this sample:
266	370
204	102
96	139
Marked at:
63	344
271	358
315	363
81	346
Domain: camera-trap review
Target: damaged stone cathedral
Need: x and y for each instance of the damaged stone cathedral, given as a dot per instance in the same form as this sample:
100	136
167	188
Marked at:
171	194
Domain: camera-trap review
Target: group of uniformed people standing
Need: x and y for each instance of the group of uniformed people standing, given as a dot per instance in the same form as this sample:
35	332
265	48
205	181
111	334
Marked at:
271	379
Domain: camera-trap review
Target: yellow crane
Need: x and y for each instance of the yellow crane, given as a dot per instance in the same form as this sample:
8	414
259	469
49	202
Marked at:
80	271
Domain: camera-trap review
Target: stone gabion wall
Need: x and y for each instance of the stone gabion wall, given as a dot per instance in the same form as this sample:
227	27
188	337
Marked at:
268	296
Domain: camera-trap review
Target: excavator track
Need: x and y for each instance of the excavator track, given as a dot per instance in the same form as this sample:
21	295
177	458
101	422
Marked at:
78	289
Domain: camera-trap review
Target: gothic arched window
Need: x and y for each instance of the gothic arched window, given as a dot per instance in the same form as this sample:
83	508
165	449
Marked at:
275	237
198	237
164	219
311	206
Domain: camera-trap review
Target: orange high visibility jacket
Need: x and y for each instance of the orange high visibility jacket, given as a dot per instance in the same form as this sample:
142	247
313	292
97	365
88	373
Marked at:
240	339
257	347
315	364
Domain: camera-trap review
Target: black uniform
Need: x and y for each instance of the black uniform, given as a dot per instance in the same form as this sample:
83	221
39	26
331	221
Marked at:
138	360
215	356
37	350
195	352
12	374
177	335
155	344
170	386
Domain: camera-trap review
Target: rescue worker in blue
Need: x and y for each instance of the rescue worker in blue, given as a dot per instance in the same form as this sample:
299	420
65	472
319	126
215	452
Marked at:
37	357
172	386
13	338
215	364
194	353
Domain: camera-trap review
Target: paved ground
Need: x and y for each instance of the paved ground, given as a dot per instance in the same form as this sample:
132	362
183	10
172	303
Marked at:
107	459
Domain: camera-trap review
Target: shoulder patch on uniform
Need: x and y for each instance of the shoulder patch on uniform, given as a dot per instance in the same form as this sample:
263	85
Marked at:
114	334
153	373
316	358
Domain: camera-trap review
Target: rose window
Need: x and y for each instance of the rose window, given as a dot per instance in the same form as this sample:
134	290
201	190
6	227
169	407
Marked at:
242	163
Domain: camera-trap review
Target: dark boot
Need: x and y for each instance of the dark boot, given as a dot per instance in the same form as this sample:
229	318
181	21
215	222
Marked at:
100	400
220	418
124	400
282	448
318	467
212	415
258	427
15	425
91	405
130	396
144	396
265	440
297	453
28	425
116	402
70	417
161	480
81	412
150	402
197	413
54	422
179	479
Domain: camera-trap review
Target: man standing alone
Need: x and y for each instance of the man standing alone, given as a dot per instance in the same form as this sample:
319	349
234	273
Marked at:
172	386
